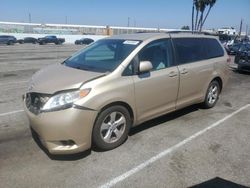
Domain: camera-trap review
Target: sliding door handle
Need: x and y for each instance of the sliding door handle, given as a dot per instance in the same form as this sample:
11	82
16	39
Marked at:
172	74
184	71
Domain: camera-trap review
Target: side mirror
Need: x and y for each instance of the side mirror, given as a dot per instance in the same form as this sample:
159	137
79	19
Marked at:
145	66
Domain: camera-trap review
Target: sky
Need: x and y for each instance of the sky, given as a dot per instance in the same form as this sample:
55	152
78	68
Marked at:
142	13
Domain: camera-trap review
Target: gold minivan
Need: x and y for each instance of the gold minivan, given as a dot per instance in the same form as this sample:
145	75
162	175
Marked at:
99	93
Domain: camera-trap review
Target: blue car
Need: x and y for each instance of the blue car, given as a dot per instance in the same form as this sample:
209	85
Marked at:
7	39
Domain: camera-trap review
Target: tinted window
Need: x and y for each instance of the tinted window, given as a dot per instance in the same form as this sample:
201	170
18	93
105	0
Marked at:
196	49
103	55
189	49
159	53
213	48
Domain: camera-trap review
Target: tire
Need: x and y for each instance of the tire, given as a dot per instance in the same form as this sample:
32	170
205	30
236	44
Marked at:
111	128
239	69
10	43
212	94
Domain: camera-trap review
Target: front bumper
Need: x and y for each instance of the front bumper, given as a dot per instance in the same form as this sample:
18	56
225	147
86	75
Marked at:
244	65
66	131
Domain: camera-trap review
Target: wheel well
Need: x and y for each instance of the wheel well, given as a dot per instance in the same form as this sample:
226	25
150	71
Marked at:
219	80
131	113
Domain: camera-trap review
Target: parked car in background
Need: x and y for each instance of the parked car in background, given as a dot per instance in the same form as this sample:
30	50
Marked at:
224	38
242	58
28	40
120	82
7	39
233	49
84	41
50	39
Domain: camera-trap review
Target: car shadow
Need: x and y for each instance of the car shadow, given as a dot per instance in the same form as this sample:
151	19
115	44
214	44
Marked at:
218	182
163	119
68	157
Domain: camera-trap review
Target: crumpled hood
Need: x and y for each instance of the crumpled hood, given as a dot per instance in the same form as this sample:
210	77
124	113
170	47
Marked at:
59	77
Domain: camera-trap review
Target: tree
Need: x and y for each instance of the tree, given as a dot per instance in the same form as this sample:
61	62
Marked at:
193	15
197	8
210	3
200	6
185	27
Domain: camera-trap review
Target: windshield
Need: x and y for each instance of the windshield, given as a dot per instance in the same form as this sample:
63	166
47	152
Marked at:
102	56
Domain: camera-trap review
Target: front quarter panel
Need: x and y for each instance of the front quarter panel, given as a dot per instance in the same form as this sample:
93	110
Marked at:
107	90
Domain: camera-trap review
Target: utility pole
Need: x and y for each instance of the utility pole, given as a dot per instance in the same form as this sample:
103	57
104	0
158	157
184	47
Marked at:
128	21
246	30
134	22
29	18
66	19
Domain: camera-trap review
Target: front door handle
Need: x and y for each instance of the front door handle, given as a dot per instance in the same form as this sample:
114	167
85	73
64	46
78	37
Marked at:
184	71
172	74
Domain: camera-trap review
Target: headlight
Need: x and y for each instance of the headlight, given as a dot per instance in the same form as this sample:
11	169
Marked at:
64	100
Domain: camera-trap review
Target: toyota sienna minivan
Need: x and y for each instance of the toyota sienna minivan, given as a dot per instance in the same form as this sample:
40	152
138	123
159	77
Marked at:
95	96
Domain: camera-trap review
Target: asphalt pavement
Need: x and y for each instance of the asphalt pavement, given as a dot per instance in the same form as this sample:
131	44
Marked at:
189	147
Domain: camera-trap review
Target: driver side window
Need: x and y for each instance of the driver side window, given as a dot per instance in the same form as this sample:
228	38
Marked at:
159	53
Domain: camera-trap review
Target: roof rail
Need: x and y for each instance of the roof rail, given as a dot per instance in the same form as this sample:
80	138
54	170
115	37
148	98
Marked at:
191	32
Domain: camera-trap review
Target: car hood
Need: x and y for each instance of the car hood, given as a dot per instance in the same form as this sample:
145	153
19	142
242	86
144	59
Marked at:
59	77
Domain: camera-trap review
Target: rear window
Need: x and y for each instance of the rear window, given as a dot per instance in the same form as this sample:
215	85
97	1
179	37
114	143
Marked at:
196	49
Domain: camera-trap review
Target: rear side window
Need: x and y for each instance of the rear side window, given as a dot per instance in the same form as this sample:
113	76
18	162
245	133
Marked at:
196	49
214	49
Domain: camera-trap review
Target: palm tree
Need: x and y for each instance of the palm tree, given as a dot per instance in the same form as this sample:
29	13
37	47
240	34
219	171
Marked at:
200	6
193	15
197	7
211	4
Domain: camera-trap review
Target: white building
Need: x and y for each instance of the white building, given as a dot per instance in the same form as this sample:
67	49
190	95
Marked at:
227	31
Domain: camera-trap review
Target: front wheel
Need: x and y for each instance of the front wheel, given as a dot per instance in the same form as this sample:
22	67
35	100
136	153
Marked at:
10	43
111	128
212	94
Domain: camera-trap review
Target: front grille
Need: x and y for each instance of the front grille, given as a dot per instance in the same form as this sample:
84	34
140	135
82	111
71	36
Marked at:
35	101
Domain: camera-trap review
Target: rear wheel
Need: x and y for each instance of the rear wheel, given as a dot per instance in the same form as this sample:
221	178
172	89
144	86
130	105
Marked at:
212	94
111	127
10	42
